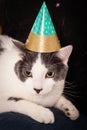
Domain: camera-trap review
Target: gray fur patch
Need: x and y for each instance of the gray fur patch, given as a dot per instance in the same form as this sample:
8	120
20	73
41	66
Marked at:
14	99
54	64
25	64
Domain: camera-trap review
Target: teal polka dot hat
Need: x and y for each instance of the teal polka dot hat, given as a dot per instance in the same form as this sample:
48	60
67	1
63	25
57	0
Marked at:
43	24
43	37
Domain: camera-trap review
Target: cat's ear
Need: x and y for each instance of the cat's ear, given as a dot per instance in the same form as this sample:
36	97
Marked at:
18	44
64	53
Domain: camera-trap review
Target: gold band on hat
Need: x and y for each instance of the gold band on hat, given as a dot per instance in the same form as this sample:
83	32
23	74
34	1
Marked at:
43	44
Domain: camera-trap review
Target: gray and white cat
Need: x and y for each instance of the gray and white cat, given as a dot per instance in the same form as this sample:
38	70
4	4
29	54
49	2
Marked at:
30	82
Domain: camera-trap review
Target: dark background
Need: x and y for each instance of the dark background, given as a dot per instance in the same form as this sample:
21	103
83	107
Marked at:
69	18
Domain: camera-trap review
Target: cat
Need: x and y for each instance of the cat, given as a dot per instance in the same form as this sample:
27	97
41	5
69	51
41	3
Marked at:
31	82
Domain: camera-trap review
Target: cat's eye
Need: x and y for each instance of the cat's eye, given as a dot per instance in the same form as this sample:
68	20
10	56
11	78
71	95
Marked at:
28	73
50	74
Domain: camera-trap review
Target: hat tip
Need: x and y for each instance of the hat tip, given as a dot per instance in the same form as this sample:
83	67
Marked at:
44	2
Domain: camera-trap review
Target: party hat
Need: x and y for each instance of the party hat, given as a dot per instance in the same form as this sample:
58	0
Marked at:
43	37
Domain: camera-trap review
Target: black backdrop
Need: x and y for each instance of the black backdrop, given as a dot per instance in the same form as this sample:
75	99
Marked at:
69	18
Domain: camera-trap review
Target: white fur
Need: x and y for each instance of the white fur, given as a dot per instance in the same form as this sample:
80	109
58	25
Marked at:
33	104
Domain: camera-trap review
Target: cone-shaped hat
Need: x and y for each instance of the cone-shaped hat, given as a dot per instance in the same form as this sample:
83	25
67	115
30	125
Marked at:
43	37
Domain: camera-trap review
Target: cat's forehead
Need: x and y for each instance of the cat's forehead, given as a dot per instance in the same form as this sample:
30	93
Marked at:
44	58
38	68
39	64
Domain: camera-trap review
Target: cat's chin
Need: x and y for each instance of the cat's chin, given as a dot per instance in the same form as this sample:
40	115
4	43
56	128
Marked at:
39	95
43	99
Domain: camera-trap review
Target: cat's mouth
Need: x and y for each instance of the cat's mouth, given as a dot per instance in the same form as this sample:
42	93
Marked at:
41	94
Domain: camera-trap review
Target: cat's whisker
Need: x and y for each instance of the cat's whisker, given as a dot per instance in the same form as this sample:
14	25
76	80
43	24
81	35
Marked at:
70	84
73	92
69	87
70	95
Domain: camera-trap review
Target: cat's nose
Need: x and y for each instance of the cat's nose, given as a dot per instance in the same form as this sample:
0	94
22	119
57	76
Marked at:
38	90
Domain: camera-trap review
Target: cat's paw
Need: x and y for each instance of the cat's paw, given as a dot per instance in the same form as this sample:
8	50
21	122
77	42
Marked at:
70	111
45	116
